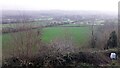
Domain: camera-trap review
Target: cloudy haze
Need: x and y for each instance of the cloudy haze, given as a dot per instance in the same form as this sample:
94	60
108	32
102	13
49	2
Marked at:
99	5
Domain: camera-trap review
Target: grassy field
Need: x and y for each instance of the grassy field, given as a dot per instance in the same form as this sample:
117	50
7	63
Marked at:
78	34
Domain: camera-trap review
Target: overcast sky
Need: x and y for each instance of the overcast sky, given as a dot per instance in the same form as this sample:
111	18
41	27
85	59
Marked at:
99	5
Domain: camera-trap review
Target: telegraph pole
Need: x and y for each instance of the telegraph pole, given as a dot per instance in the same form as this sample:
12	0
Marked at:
93	38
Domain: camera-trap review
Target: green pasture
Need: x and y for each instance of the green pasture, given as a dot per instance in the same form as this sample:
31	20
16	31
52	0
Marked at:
78	34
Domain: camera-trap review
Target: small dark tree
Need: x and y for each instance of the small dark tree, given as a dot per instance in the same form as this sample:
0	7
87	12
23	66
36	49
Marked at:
112	41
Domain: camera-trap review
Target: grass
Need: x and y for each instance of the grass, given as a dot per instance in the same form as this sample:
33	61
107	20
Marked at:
78	34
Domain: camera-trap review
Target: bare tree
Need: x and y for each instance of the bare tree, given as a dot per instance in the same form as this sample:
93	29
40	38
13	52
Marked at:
26	43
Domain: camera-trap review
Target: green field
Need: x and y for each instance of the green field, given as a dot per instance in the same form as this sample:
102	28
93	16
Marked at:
78	34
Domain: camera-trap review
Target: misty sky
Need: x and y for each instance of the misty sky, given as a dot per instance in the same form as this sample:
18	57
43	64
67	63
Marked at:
99	5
